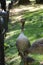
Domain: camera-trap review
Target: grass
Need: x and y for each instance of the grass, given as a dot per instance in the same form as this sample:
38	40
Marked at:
33	30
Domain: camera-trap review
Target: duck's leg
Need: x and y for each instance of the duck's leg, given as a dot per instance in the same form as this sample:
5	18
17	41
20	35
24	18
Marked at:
25	59
25	63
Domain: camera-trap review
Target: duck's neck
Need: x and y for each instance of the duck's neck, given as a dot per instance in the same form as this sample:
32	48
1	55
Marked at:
22	31
22	28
